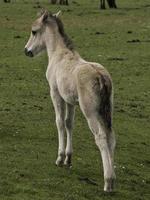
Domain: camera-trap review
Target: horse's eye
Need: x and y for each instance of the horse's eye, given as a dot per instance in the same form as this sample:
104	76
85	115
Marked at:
33	32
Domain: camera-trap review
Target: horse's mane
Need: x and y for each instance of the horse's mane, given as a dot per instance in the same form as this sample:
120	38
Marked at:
68	42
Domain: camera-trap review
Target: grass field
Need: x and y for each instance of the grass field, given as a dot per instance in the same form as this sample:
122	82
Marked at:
118	39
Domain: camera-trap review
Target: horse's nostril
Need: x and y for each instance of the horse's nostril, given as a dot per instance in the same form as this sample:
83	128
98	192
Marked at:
28	53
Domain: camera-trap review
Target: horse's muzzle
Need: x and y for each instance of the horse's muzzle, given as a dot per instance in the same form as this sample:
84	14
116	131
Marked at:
28	53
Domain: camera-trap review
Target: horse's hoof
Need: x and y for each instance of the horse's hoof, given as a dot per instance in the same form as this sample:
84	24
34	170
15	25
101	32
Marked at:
109	185
67	161
68	165
59	164
60	161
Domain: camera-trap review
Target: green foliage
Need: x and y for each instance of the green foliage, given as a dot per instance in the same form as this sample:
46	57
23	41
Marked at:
118	39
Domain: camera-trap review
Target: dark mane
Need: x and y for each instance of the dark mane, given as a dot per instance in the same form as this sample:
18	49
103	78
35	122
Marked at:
66	39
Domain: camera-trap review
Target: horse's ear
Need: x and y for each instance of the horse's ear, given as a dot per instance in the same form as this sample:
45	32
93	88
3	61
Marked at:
57	14
41	12
45	16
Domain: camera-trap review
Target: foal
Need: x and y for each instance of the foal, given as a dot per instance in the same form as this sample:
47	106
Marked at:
72	81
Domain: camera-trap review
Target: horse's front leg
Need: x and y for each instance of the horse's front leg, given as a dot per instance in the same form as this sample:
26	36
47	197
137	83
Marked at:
59	106
69	126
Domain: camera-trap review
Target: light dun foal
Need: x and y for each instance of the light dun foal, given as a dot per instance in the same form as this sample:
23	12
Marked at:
72	81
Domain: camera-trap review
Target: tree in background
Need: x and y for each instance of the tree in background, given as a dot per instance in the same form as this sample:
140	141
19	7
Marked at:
111	3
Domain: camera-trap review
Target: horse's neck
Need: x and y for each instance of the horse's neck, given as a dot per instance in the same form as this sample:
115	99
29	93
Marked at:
53	48
62	53
58	51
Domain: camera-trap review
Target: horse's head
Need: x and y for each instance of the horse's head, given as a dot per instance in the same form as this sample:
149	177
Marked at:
43	29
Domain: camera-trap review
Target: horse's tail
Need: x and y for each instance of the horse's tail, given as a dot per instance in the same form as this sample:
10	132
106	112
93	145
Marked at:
106	100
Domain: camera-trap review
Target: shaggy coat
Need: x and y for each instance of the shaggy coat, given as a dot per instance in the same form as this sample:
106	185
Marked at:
74	81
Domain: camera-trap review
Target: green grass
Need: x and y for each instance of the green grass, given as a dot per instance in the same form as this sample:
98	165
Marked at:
28	136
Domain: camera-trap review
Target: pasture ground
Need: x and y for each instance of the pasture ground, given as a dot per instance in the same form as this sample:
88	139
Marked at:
118	39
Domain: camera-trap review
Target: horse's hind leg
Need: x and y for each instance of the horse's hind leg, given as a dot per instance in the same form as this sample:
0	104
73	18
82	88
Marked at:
111	144
69	126
67	3
102	138
102	141
114	4
102	4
